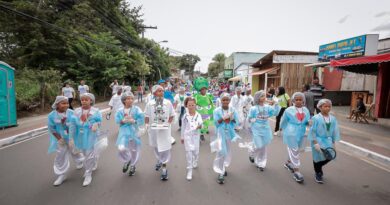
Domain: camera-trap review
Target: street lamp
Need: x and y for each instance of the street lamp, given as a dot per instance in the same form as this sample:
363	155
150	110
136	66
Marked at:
147	52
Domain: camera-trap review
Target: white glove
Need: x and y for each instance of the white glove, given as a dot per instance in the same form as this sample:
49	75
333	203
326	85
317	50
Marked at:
317	147
131	121
252	120
231	116
71	143
61	142
95	126
225	117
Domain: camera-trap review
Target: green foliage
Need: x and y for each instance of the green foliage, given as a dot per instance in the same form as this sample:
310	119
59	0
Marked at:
217	65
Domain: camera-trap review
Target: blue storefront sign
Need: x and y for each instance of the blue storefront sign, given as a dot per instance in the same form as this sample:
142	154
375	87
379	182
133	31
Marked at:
348	48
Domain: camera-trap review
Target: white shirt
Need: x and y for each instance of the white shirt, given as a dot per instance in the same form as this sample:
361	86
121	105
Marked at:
190	134
116	102
159	138
68	92
83	89
179	103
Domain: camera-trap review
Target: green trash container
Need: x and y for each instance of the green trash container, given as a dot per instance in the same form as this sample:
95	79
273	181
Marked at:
7	96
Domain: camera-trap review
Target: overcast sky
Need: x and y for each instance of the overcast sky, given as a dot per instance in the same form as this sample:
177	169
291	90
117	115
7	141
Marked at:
207	27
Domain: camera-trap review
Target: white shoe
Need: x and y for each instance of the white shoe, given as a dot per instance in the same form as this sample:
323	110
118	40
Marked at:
189	174
195	165
87	180
59	180
79	165
95	167
275	133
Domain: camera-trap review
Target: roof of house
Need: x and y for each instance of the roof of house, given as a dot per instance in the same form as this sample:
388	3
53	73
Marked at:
270	55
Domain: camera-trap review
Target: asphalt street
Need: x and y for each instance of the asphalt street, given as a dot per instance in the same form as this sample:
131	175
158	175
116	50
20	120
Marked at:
26	177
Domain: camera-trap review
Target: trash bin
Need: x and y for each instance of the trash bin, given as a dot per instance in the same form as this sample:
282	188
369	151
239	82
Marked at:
7	96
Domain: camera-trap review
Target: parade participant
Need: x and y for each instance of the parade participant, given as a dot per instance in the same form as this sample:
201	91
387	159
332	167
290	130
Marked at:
237	102
86	123
204	103
129	118
190	136
284	102
159	114
260	127
115	102
248	102
323	134
60	141
167	93
225	119
179	104
293	125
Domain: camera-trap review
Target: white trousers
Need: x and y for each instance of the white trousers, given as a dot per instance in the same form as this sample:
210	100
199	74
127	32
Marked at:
293	156
222	161
260	155
61	161
192	158
91	160
162	157
129	154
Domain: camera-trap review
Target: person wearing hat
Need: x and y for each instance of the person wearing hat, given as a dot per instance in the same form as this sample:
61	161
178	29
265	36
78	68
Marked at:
179	104
204	103
60	141
86	123
167	93
129	118
159	114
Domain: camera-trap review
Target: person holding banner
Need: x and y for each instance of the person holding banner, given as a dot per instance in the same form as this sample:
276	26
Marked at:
129	118
293	126
324	132
159	114
85	129
60	141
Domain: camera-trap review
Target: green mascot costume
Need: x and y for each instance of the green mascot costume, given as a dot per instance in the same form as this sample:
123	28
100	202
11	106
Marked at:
204	104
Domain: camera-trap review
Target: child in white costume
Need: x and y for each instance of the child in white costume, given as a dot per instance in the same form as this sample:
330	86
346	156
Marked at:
60	142
190	134
260	127
225	120
237	102
324	133
86	122
160	110
129	118
293	124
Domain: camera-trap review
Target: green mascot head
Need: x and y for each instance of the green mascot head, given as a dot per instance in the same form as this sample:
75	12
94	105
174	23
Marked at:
200	83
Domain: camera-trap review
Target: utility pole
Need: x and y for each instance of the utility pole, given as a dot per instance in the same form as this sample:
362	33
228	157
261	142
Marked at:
147	27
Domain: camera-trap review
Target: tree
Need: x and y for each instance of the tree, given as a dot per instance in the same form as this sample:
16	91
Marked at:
188	62
217	65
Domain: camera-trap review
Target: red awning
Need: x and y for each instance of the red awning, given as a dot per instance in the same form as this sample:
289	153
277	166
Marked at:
361	60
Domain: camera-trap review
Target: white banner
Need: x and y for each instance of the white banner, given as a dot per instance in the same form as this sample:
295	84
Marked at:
295	59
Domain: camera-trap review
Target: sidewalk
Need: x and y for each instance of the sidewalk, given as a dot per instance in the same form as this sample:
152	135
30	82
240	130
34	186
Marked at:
30	123
373	136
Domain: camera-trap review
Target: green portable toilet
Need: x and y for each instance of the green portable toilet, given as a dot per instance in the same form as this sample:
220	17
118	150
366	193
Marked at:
7	96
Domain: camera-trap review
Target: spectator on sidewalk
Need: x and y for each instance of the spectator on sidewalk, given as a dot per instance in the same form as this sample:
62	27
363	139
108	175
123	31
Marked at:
83	88
114	86
309	96
284	102
360	108
69	92
140	91
318	91
271	91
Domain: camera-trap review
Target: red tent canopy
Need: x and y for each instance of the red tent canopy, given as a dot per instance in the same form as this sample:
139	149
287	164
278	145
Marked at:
361	60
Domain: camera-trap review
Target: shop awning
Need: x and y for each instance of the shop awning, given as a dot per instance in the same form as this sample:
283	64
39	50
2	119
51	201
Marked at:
261	72
234	79
321	64
361	60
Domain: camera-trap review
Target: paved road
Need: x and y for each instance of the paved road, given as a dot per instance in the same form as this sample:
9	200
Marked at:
26	177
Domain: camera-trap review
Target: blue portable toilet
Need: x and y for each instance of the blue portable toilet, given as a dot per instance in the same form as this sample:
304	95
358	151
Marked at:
7	96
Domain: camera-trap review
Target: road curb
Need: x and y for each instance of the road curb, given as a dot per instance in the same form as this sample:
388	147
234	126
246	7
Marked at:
30	134
366	153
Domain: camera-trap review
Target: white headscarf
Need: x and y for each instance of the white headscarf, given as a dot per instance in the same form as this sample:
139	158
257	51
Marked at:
225	95
322	102
296	94
238	89
58	100
90	95
257	96
156	87
126	95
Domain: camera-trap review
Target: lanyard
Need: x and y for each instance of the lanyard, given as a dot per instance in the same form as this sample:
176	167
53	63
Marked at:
86	116
327	124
